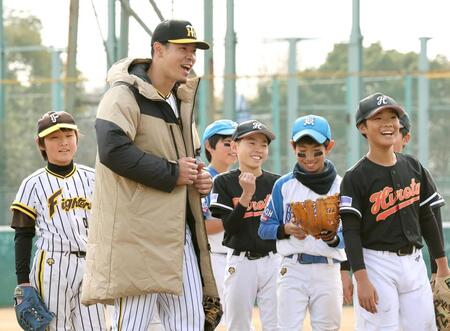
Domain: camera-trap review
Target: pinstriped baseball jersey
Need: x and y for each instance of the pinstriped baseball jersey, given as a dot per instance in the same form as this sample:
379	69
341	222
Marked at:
60	206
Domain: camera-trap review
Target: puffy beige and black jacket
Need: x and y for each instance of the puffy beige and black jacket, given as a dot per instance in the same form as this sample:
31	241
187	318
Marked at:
137	229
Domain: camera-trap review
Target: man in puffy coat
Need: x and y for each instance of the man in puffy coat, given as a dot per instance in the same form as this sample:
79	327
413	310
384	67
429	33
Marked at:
147	245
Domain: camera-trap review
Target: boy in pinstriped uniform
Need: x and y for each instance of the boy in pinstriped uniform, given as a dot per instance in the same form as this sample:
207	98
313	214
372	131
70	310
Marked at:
56	201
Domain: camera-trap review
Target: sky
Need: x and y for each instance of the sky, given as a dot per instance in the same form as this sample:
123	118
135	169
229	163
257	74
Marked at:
396	24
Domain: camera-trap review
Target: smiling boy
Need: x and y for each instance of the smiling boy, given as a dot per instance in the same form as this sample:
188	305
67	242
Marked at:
385	210
55	203
238	198
217	143
309	277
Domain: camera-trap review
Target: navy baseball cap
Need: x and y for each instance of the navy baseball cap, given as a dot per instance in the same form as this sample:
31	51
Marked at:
250	127
222	127
405	123
374	103
53	121
177	32
317	127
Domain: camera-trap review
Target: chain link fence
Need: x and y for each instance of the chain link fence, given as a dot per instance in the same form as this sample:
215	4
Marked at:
325	96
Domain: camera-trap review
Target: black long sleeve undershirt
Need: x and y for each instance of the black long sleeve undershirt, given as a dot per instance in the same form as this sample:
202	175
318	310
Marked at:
438	216
281	234
351	226
345	266
430	232
23	241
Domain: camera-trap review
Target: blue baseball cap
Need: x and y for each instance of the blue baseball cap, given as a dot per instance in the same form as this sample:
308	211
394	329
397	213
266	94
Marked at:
222	127
314	126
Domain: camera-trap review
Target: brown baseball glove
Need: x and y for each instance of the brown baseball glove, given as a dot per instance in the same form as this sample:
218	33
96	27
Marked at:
317	217
213	312
441	299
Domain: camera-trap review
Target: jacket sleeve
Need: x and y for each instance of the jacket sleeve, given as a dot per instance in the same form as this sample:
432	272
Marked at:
115	128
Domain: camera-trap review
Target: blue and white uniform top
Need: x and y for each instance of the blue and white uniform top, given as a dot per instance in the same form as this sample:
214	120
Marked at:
288	189
215	239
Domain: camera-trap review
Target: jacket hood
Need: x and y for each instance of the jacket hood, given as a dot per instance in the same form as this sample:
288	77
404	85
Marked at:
134	71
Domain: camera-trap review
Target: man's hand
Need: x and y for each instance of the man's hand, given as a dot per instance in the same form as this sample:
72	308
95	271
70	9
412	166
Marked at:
294	230
203	182
442	267
367	295
247	181
188	171
347	286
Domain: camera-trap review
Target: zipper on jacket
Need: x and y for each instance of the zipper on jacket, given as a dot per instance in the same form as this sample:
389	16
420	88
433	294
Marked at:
180	123
178	157
192	116
174	141
180	126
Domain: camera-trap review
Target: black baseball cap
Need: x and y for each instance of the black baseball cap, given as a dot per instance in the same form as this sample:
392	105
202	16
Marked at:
177	32
53	121
250	127
374	103
405	123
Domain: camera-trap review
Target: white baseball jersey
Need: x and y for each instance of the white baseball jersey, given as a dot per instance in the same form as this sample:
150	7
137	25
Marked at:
59	205
313	285
215	240
278	211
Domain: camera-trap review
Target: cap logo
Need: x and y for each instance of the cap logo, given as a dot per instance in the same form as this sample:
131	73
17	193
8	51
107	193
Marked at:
257	125
54	117
309	120
190	31
381	100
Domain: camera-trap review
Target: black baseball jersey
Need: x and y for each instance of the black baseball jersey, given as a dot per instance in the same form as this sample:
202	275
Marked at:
225	198
387	200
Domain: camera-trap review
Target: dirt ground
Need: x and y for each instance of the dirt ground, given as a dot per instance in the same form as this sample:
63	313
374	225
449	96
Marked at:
8	321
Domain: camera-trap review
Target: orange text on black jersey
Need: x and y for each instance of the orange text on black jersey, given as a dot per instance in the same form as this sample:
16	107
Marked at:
255	208
388	201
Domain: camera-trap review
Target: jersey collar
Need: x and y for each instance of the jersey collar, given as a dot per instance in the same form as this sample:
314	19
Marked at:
61	171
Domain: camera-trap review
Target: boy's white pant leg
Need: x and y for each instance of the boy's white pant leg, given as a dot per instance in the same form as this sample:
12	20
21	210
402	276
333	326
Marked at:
316	287
58	277
404	292
267	291
240	286
219	263
247	282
